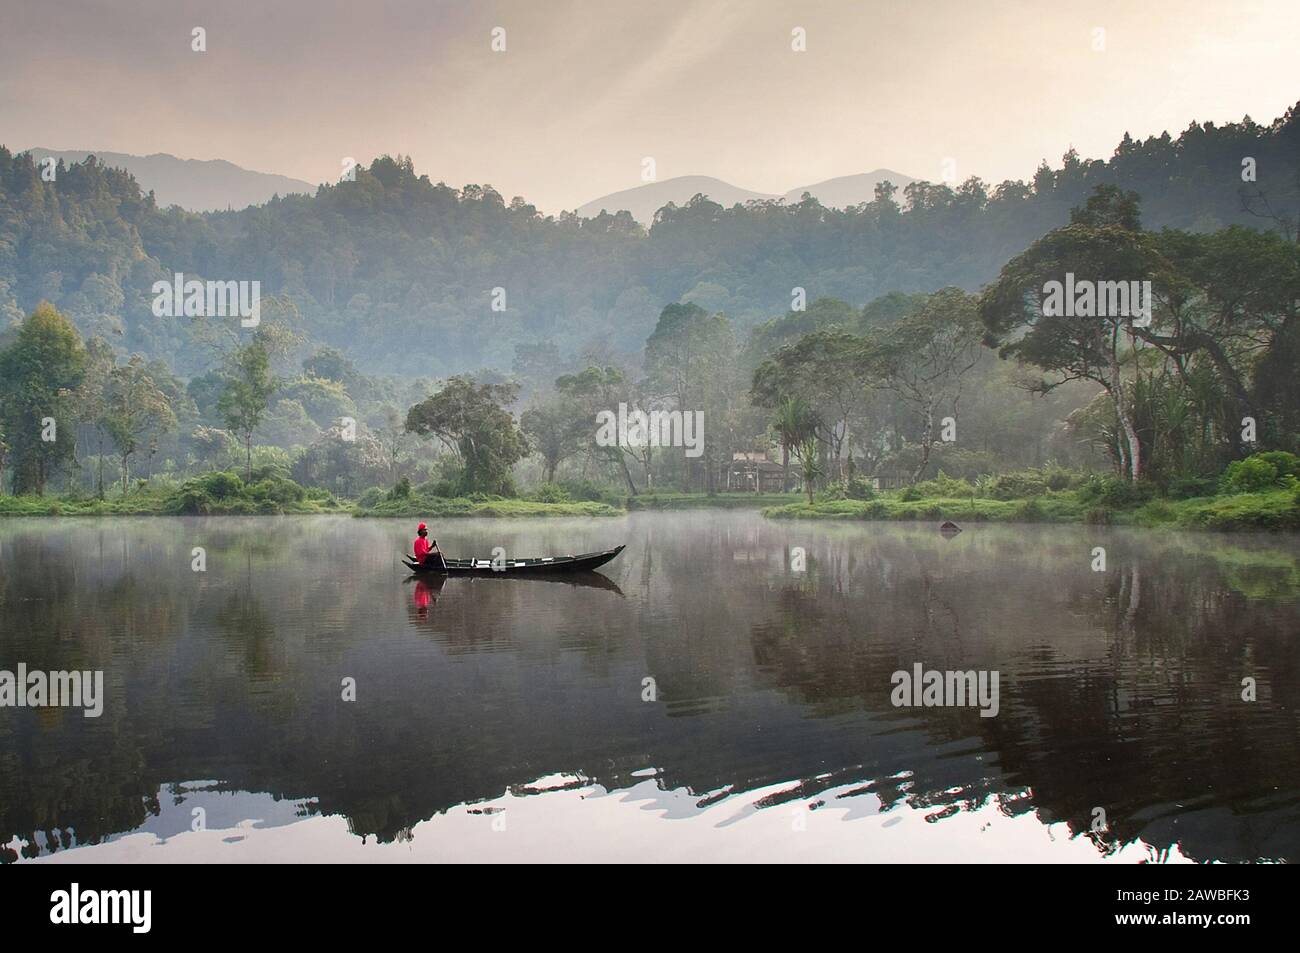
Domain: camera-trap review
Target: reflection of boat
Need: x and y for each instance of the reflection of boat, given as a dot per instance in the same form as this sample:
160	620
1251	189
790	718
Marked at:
432	583
540	566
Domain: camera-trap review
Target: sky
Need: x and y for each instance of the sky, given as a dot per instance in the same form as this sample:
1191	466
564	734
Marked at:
584	91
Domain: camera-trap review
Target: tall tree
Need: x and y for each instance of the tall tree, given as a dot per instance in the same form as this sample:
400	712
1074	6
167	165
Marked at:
793	422
556	429
246	394
593	390
1100	246
92	400
924	357
39	374
471	419
136	410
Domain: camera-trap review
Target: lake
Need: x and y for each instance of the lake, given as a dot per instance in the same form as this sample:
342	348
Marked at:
725	690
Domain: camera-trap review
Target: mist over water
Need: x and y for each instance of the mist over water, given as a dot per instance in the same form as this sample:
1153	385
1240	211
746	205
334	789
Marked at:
772	733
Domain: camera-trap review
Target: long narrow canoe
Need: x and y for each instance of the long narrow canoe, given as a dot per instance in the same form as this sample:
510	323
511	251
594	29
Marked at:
540	566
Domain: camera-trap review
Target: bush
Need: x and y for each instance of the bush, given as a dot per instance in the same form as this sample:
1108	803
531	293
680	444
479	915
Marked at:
1030	511
832	493
276	491
946	487
220	485
1114	492
1058	478
1249	476
1187	488
587	491
859	489
401	490
371	497
1019	485
551	493
1287	464
910	494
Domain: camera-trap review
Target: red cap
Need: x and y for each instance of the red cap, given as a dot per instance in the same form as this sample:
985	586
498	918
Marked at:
420	527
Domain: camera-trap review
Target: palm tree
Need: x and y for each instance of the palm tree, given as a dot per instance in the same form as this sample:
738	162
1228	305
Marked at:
812	468
791	424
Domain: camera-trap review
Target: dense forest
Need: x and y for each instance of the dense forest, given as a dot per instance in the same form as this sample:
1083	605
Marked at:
397	271
904	339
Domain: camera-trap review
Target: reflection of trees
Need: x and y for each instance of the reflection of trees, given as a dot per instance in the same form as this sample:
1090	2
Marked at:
1124	694
765	675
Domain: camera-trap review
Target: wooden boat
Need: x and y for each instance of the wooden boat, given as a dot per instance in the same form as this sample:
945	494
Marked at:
539	566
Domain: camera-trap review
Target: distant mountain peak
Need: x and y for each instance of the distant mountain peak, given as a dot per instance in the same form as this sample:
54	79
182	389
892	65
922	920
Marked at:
199	185
644	200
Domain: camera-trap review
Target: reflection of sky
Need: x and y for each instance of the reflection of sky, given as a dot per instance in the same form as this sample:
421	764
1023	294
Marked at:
223	809
233	813
564	818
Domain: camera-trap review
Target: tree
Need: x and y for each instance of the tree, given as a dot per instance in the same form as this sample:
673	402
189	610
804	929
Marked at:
809	463
793	422
825	370
471	420
593	390
1228	299
1097	247
246	394
39	374
92	399
556	429
135	409
924	356
691	359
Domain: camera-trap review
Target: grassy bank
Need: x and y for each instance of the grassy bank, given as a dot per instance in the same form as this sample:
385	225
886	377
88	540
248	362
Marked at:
213	494
434	507
1270	510
722	501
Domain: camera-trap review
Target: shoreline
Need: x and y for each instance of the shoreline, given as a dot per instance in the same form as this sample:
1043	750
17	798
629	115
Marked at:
1271	511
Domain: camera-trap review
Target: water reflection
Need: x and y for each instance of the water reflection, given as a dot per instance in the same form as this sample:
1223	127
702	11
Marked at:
1120	690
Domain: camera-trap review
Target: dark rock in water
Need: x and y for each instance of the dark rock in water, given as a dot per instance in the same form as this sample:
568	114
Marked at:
949	528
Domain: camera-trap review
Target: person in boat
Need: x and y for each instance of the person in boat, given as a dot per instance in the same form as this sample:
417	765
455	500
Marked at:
426	550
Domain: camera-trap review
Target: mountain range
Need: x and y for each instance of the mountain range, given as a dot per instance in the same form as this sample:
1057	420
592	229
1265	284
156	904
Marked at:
205	185
199	185
644	200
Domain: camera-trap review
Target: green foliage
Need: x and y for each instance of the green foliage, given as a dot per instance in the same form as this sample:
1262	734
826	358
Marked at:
247	390
220	486
944	487
1286	463
1251	475
587	490
1186	488
470	419
699	501
859	489
343	250
1114	492
225	493
550	493
422	506
39	371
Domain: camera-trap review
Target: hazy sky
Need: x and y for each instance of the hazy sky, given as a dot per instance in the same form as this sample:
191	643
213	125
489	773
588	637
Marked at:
586	89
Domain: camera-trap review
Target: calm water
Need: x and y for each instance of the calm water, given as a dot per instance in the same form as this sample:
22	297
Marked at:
506	719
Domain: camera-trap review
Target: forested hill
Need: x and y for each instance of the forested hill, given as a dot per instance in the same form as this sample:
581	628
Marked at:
399	272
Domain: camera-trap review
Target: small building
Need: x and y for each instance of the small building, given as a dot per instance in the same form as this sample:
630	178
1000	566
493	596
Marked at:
750	471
